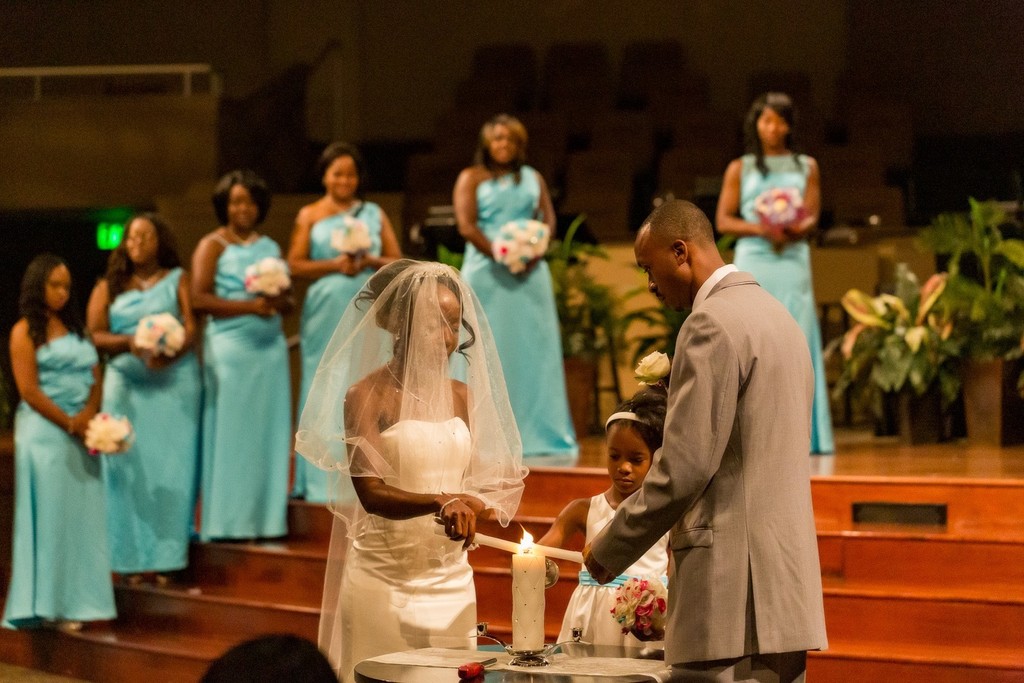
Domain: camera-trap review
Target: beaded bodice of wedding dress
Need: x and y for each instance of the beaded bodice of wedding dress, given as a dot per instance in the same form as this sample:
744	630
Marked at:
426	457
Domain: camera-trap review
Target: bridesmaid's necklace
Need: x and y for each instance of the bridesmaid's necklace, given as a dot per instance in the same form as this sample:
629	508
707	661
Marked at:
146	283
352	207
235	239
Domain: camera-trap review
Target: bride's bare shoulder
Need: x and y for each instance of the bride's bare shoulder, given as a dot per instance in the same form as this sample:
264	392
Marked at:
366	389
460	396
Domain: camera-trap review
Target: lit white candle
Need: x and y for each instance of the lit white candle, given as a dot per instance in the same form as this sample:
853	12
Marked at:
513	547
527	597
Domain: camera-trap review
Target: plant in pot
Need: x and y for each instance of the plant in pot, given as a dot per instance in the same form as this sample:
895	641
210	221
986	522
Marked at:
986	297
659	325
901	348
588	316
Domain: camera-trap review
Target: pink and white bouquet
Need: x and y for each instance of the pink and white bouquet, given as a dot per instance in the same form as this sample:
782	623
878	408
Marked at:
640	607
161	334
519	243
268	276
780	207
108	435
353	237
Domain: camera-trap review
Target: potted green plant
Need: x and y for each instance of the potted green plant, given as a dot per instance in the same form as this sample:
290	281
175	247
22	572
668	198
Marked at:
901	345
658	324
588	317
986	298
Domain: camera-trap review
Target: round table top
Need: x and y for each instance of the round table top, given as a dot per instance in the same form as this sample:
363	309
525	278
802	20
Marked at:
371	671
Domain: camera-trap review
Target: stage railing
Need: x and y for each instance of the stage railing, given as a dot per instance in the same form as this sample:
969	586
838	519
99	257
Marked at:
187	72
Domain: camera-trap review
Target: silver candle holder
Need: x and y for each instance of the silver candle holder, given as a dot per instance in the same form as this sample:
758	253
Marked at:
529	658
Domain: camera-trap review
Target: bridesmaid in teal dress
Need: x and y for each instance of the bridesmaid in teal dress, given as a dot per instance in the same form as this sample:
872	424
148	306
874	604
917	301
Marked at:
336	276
520	308
780	260
247	402
151	487
60	561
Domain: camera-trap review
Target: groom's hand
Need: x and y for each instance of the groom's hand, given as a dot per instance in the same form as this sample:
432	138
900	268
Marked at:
597	571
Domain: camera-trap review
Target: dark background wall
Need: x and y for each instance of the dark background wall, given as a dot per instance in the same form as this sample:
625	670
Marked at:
394	65
382	72
958	63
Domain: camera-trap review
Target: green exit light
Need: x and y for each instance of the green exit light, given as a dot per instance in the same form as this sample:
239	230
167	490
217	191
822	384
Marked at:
109	235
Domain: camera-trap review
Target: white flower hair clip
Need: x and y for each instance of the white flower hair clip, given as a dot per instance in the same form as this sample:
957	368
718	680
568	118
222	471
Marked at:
653	369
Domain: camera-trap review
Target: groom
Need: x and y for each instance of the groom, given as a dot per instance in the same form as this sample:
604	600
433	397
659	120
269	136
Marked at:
732	481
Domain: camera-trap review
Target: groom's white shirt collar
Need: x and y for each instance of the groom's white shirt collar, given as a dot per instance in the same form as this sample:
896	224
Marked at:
710	283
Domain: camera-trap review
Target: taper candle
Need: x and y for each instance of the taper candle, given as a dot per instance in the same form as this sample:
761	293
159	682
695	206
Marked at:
527	598
513	547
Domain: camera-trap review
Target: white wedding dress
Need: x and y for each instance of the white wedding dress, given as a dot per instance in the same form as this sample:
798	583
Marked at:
405	586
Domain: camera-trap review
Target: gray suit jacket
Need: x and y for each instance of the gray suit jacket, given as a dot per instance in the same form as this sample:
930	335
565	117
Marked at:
732	483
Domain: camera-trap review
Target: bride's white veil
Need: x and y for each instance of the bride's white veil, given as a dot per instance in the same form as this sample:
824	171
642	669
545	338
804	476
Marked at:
391	342
414	344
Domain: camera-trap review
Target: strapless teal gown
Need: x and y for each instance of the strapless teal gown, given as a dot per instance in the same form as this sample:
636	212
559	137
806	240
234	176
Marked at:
522	314
787	276
326	300
151	489
246	411
60	558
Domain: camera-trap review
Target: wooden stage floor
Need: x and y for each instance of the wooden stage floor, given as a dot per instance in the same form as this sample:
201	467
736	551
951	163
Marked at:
862	455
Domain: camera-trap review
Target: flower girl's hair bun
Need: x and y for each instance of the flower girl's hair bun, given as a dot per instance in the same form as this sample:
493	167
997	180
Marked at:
649	405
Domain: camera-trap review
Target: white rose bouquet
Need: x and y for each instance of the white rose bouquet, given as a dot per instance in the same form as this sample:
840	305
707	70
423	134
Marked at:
268	276
160	334
519	243
108	435
640	607
353	237
653	369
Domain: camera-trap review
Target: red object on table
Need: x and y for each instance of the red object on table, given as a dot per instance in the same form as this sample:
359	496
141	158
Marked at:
470	671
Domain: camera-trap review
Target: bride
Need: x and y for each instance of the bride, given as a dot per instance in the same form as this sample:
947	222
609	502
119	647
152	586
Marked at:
422	445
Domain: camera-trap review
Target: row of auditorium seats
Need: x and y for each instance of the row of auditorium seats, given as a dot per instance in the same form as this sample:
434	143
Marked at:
609	148
604	183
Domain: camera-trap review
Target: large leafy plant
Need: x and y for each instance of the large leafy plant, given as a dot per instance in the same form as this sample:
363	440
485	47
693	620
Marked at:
986	278
587	310
900	341
660	324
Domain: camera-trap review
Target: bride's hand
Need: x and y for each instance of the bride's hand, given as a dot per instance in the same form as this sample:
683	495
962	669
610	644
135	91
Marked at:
474	503
459	520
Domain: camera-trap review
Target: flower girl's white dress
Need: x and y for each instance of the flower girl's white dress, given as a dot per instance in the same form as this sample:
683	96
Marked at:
405	586
590	606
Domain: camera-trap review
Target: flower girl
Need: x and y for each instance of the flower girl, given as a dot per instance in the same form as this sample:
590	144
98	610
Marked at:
633	434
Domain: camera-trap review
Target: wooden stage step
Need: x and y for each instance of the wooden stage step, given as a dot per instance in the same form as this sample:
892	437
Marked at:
906	602
549	489
903	557
975	508
847	662
281	572
187	609
949	618
115	651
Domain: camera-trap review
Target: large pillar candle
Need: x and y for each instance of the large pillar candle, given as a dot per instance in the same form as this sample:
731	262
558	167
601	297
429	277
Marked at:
527	598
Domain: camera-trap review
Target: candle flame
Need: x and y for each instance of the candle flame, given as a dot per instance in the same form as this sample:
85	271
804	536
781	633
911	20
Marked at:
526	545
